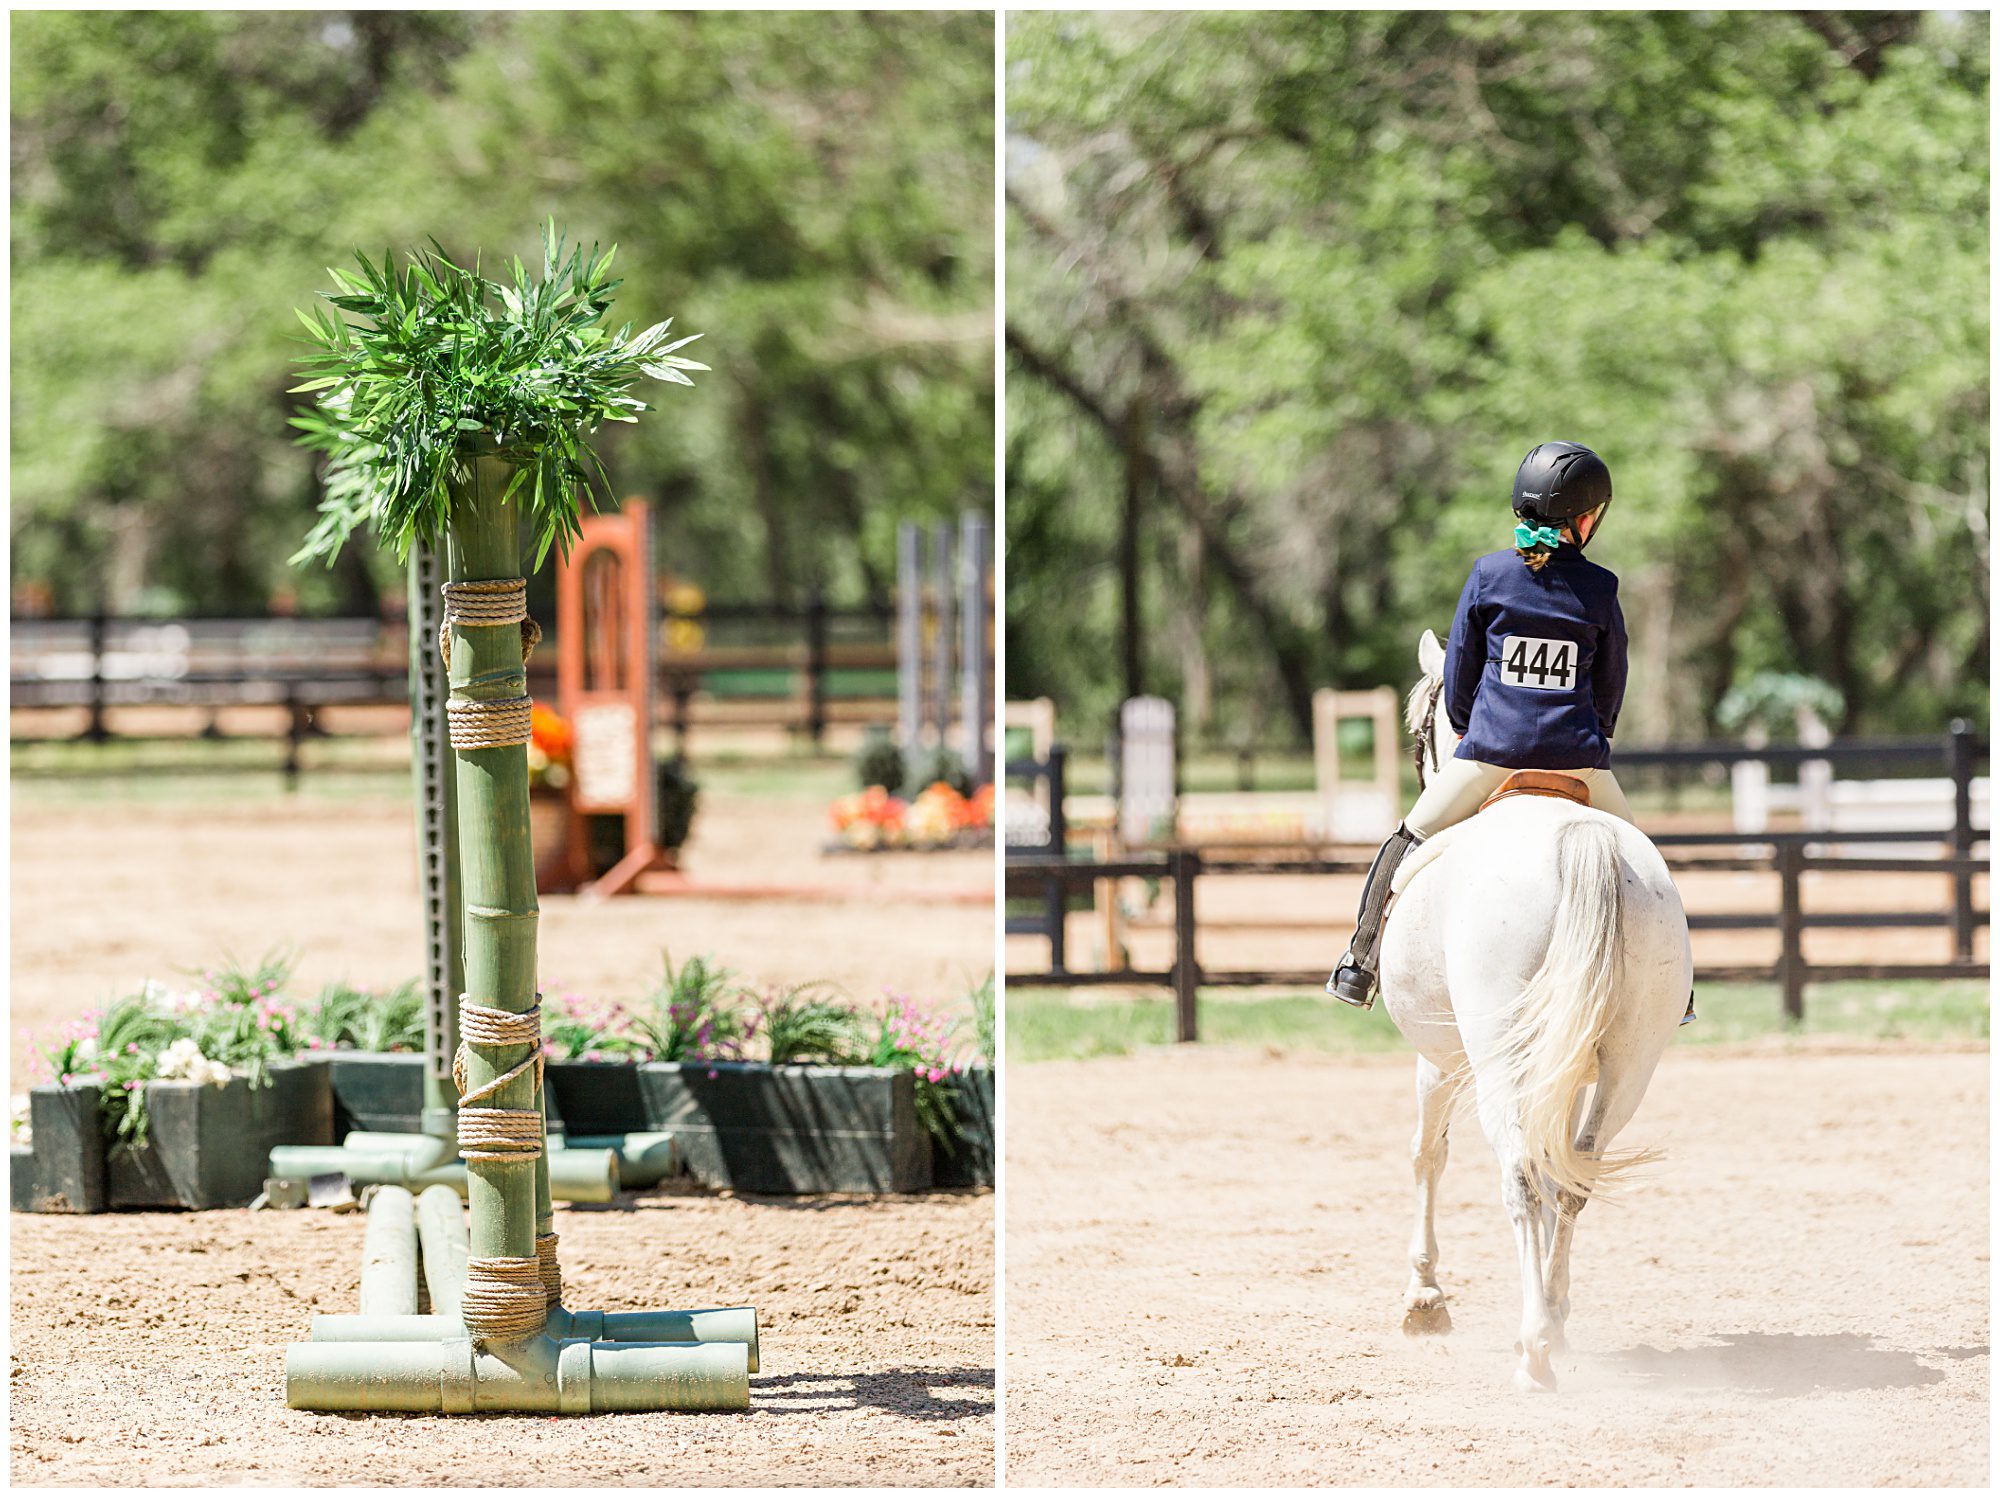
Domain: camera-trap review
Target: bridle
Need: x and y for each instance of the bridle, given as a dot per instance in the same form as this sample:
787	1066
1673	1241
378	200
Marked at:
1427	730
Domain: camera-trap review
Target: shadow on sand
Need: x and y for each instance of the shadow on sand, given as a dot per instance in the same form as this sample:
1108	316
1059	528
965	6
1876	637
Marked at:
915	1395
1781	1365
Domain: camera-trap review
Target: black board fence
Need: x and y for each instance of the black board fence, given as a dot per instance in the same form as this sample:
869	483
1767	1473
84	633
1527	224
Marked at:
1791	855
1052	893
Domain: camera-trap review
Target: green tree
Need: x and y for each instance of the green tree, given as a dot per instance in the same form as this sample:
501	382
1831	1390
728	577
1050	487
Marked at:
812	190
1320	280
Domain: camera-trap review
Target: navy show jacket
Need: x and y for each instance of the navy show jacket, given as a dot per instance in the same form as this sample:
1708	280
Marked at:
1534	673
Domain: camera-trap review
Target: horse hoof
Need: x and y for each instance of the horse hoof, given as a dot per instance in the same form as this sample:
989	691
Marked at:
1530	1382
1426	1321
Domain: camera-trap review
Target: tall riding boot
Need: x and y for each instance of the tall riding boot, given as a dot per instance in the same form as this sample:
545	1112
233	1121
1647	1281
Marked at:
1353	982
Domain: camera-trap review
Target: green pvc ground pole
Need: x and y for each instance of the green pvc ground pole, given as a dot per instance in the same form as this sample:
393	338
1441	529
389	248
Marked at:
442	1238
734	1324
534	1374
537	1372
389	1254
416	1161
643	1159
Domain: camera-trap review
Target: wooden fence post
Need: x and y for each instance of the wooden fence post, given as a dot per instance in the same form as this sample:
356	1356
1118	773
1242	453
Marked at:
295	732
100	629
1959	749
816	669
1056	898
1791	930
1186	864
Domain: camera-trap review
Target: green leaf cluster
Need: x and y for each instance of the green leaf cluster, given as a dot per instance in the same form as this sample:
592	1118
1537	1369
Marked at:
445	365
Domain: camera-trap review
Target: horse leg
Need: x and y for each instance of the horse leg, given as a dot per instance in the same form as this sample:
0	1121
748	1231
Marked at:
1424	1312
1613	1101
1539	1331
1562	1228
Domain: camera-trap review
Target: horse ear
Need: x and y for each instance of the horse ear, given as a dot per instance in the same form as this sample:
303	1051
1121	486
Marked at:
1430	654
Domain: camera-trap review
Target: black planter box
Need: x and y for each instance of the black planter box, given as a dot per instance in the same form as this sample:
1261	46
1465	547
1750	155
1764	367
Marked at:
207	1146
747	1126
381	1092
970	1163
740	1125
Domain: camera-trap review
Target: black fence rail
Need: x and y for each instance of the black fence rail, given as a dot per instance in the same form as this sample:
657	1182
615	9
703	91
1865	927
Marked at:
305	664
1791	856
806	647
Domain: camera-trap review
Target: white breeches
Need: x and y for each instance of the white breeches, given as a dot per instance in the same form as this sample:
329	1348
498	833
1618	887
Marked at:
1462	786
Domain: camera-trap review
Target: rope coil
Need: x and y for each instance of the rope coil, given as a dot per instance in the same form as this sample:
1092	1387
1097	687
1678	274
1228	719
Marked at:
488	602
497	1133
498	723
504	1297
498	600
545	1253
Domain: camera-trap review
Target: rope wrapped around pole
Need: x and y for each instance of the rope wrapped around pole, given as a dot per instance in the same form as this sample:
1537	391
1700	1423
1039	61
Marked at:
545	1252
503	1296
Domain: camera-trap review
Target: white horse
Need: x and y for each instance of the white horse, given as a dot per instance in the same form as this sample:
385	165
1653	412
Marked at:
1540	952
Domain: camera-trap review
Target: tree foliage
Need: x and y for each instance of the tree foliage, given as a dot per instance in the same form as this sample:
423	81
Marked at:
1315	282
811	190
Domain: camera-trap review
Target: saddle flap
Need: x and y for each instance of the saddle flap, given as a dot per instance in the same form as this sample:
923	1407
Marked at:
1540	783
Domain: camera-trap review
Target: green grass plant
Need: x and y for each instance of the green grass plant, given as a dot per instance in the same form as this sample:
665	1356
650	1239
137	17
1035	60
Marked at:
1045	1024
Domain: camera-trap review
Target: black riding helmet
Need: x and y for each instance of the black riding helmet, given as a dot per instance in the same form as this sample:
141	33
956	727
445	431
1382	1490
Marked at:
1559	482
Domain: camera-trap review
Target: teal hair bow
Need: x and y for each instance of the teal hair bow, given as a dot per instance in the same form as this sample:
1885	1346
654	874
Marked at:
1526	536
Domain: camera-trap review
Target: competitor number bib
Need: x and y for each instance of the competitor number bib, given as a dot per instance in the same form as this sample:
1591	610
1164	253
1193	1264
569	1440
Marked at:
1539	665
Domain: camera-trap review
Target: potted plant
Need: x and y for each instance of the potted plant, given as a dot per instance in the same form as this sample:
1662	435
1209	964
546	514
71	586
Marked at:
549	769
457	410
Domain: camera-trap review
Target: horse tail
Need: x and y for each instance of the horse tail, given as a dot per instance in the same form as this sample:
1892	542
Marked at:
1559	1020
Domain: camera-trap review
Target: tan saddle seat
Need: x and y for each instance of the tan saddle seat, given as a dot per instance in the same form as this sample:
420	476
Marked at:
1540	783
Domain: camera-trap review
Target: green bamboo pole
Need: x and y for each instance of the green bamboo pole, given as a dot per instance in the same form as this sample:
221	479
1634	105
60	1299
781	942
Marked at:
496	857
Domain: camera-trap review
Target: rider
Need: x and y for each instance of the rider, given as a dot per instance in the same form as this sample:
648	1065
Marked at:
1534	676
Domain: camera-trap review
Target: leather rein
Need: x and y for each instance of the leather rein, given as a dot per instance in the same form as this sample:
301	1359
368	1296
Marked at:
1426	732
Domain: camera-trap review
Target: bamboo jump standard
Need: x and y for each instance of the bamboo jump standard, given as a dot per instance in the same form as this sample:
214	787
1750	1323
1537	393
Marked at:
512	1347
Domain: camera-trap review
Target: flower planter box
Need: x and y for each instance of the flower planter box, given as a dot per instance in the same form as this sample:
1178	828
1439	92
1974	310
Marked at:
740	1125
207	1146
748	1126
379	1091
971	1163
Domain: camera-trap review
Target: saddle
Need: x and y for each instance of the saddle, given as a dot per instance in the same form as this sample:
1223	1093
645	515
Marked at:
1520	783
1540	783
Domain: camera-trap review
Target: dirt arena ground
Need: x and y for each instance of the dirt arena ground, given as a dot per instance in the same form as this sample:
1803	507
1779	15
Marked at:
1207	1253
167	1366
108	895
